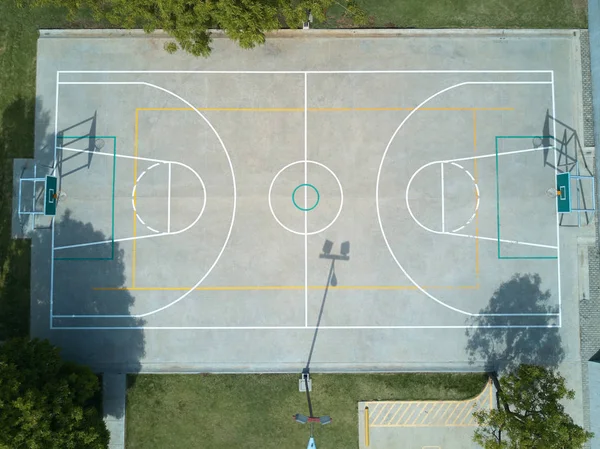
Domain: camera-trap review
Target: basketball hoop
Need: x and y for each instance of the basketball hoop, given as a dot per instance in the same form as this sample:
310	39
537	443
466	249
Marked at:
551	192
537	142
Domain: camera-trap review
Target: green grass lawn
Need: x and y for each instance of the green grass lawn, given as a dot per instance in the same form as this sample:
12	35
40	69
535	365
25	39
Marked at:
18	41
251	411
467	14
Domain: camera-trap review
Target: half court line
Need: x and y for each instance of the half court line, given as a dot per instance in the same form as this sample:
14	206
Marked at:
305	200
169	201
443	200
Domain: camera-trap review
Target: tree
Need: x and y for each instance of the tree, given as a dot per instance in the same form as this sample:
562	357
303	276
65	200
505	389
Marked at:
529	413
45	402
189	21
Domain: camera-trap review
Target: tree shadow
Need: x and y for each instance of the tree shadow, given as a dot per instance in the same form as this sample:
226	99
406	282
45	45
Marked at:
16	140
507	347
74	280
71	281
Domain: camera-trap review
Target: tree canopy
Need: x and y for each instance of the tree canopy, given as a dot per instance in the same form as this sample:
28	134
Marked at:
189	21
45	402
530	413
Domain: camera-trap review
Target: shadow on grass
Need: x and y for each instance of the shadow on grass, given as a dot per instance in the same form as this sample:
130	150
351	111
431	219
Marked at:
26	278
16	140
505	348
105	350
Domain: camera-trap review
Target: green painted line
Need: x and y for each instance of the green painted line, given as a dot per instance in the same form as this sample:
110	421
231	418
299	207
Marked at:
87	136
524	137
530	257
114	175
112	238
303	209
498	200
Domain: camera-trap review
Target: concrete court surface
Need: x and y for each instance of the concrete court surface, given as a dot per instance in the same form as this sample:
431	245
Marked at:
178	246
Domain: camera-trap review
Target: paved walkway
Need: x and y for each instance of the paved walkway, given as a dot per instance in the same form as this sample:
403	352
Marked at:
114	388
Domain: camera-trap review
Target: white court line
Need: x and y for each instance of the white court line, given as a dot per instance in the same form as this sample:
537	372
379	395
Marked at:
297	72
494	239
318	231
556	202
133	198
305	200
310	328
169	202
53	167
443	199
210	125
483	156
103	242
409	115
137	181
152	166
124	156
152	229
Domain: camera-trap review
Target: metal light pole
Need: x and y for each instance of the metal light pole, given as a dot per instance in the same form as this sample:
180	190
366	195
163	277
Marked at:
331	280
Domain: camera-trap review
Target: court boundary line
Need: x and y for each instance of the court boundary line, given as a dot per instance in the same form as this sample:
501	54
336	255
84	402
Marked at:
300	72
310	328
58	82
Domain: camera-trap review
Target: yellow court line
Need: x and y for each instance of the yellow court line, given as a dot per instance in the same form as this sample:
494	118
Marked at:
135	155
291	287
450	415
379	412
408	418
322	109
467	412
460	413
387	414
425	415
439	408
394	415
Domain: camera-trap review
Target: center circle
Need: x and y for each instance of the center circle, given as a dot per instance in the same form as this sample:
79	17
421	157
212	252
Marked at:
330	197
304	209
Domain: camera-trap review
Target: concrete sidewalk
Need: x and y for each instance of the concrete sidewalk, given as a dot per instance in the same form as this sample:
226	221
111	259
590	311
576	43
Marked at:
114	391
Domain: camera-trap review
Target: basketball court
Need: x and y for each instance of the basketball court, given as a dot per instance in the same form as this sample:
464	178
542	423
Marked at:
227	208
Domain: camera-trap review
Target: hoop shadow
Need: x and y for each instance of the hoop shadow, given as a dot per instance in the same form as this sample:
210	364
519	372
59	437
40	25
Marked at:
571	157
